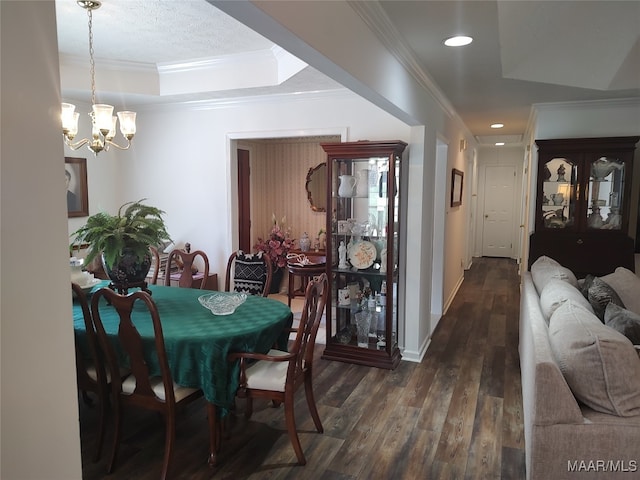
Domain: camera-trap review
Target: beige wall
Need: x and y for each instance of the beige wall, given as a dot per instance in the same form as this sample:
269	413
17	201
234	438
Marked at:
40	436
279	171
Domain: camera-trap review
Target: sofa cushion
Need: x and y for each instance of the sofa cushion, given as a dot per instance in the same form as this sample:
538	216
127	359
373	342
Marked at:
545	268
557	291
599	364
624	321
627	286
600	294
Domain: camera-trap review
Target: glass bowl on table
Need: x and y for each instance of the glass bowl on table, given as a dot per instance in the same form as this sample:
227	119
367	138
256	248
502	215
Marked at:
222	303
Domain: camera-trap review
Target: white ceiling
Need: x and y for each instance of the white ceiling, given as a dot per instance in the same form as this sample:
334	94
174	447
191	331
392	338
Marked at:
524	52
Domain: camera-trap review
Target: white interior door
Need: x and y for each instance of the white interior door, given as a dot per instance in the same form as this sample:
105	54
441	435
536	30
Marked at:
499	208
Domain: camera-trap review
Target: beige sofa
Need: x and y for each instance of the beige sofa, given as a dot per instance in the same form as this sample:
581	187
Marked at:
565	438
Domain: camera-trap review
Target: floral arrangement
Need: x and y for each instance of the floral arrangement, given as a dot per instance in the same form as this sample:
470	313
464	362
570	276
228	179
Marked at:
278	243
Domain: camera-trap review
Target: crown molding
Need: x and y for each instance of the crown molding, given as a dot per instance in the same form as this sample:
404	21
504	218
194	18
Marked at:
231	102
113	65
223	61
631	102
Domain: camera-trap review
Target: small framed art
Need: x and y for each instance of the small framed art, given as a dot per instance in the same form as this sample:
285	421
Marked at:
456	187
75	171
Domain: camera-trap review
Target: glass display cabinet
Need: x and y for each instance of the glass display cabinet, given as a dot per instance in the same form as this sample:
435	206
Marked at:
583	202
363	188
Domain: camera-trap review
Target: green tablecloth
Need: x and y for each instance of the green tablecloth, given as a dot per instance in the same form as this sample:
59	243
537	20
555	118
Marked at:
198	342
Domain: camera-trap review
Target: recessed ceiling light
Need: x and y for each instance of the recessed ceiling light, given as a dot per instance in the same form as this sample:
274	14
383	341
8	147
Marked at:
499	144
497	125
458	41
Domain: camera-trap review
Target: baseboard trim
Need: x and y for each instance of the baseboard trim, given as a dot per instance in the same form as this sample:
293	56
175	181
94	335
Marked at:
447	304
416	357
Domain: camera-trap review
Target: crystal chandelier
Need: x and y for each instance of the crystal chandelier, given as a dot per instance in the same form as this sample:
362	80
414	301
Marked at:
103	122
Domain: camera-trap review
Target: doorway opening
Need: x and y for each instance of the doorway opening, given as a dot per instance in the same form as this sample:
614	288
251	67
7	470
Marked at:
268	172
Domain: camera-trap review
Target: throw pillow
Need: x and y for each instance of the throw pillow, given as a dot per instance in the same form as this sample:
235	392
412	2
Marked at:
250	273
555	293
600	294
624	321
627	285
546	268
599	364
585	284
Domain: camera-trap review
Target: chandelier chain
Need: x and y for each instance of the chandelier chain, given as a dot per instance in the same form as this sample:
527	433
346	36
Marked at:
92	63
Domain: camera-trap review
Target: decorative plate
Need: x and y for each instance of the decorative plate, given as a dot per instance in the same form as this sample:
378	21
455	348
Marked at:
222	303
362	254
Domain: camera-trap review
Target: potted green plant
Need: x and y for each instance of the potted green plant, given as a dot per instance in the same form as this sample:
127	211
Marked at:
123	241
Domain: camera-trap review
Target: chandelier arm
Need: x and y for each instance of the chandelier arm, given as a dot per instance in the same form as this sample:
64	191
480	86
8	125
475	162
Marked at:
119	147
77	145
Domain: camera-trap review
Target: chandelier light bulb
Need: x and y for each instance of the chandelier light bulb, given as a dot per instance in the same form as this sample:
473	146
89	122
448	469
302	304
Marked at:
112	129
69	119
127	123
102	117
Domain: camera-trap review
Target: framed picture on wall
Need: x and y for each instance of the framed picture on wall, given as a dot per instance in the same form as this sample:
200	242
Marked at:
75	171
456	187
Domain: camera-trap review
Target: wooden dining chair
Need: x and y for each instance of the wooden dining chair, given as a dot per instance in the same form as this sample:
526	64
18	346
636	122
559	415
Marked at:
90	371
155	264
184	262
139	389
251	273
277	375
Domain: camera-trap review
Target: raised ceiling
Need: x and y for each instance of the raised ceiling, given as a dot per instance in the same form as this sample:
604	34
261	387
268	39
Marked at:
524	53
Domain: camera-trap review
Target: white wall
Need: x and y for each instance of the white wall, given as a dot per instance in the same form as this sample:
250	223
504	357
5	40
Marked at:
456	235
39	410
605	118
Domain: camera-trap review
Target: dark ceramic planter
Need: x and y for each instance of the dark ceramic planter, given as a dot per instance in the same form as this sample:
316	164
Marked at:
128	271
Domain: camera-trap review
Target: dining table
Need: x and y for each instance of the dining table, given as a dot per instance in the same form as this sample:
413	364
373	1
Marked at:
198	342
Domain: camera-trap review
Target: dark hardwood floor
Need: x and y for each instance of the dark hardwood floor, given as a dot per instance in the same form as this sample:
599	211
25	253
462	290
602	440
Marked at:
455	415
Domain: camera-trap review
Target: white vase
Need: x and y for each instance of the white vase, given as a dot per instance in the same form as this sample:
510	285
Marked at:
305	242
347	182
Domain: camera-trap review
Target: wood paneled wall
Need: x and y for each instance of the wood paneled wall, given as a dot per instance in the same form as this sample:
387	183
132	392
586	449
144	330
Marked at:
279	169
